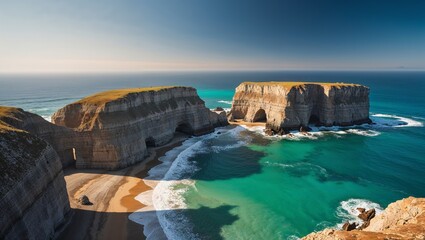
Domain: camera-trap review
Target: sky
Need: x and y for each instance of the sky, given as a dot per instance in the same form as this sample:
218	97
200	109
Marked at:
138	35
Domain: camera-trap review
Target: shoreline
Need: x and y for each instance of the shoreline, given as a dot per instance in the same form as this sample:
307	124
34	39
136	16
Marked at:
113	196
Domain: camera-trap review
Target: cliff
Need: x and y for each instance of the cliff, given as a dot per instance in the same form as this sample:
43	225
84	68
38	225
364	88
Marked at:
403	219
114	128
63	140
33	197
288	106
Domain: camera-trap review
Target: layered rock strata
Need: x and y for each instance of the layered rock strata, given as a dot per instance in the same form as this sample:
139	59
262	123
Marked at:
288	106
403	219
114	128
62	139
33	197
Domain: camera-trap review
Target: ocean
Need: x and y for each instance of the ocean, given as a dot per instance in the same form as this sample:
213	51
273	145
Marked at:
238	183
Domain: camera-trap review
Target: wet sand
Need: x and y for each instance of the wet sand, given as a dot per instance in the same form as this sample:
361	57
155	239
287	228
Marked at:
248	124
113	196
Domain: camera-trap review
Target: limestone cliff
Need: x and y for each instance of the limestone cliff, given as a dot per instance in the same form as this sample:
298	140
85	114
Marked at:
290	105
115	128
63	140
403	219
33	197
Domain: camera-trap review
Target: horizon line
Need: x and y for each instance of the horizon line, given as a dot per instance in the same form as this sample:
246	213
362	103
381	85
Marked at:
217	70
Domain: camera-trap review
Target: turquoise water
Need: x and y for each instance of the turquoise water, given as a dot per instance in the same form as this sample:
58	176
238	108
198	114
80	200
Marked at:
244	185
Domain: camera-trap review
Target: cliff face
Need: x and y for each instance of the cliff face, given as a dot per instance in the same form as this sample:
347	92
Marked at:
290	105
403	219
115	128
62	139
33	197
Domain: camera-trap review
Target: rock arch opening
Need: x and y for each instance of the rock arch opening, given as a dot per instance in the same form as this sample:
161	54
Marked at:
150	142
314	119
260	116
74	154
184	128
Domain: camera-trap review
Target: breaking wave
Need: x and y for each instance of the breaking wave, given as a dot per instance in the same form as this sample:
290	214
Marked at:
380	122
167	196
347	210
388	120
225	102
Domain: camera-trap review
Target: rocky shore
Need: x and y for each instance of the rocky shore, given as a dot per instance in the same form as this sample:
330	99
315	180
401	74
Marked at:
286	106
403	219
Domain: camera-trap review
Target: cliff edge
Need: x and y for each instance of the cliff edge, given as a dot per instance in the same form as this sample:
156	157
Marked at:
286	106
33	197
403	219
114	128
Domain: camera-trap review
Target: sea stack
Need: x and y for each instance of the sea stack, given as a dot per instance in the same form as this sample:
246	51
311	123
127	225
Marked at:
286	106
114	128
33	197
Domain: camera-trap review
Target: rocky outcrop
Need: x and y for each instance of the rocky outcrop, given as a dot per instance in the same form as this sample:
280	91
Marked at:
114	128
286	106
33	197
403	219
62	139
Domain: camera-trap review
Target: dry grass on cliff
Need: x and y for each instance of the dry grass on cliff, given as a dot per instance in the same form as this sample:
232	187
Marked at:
108	96
8	113
299	84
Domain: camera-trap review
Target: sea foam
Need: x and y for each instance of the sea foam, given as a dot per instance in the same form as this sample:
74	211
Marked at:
170	180
347	210
224	101
380	122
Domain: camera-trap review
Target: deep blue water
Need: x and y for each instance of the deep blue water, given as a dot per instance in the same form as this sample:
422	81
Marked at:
245	185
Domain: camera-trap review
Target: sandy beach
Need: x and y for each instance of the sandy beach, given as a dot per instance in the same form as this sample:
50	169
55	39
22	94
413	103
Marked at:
113	196
241	122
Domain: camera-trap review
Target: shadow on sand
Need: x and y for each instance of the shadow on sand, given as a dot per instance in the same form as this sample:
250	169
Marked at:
88	224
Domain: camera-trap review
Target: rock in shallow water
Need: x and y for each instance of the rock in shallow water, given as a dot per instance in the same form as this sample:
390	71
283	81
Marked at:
349	226
367	215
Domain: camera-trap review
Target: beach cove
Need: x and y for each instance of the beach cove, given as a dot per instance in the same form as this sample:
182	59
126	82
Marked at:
251	184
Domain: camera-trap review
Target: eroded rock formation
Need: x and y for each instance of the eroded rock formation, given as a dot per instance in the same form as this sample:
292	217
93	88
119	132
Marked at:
115	128
33	197
288	106
62	139
403	219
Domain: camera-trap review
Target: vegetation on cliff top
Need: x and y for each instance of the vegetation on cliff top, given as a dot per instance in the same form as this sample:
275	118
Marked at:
9	113
112	95
301	84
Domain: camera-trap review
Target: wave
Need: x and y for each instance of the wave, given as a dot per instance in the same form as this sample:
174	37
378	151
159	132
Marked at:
238	144
39	109
380	122
224	101
388	120
225	109
301	165
47	118
347	210
167	195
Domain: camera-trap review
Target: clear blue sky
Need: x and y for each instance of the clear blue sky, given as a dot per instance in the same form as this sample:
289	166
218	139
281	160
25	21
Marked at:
112	35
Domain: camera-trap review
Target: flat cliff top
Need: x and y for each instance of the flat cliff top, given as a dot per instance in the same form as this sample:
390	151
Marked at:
9	113
300	84
112	95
